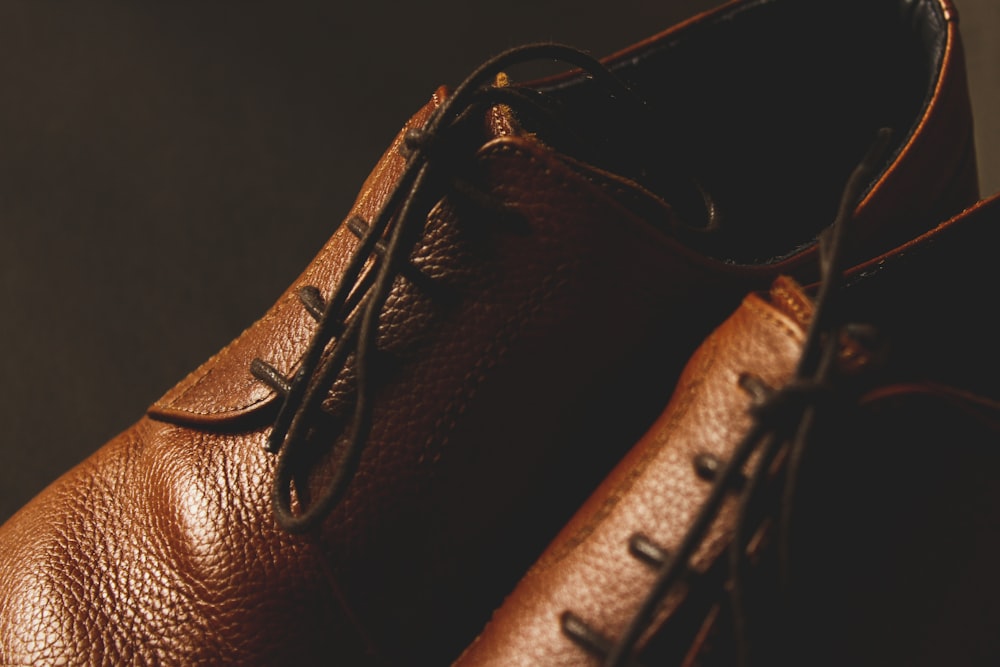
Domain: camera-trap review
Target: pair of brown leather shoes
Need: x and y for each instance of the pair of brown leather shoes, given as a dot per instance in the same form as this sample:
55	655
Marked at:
364	475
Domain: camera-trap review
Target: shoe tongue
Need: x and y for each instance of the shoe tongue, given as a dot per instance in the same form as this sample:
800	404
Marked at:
608	138
606	147
788	298
500	119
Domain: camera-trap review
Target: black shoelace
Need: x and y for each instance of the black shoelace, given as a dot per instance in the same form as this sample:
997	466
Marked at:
347	322
783	425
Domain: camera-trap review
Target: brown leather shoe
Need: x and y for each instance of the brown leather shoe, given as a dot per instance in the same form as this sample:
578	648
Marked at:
366	471
869	536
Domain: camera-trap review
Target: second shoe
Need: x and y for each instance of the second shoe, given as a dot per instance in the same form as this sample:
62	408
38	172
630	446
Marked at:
865	533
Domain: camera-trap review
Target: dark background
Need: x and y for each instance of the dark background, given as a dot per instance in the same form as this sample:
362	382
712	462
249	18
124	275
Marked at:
167	168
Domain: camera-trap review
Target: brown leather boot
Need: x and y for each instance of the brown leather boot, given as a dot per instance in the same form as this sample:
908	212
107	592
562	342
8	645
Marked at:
363	473
772	517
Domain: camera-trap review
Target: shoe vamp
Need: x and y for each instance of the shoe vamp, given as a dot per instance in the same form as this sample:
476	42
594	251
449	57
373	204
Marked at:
159	549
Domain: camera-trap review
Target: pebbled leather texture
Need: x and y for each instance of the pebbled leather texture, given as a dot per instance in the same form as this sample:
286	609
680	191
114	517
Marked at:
655	492
896	500
536	363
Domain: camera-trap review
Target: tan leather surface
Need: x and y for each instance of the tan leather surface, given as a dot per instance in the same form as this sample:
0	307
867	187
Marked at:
878	579
896	532
538	366
654	492
141	556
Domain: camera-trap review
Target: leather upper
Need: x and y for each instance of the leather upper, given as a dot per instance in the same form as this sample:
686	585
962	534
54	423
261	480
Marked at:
896	494
654	492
